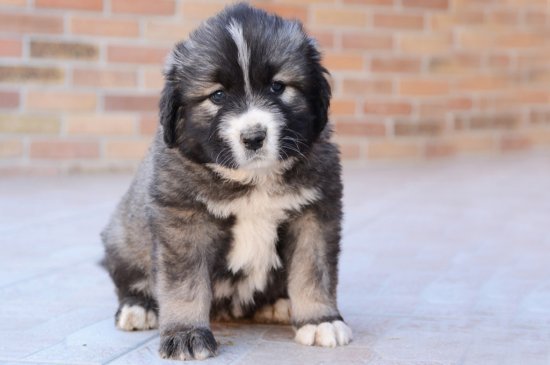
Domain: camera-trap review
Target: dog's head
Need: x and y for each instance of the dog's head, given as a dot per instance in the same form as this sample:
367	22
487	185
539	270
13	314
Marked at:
245	91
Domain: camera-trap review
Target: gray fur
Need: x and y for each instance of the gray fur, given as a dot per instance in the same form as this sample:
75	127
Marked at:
167	250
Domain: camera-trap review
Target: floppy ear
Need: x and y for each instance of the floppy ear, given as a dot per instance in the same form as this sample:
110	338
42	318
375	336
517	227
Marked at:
321	90
322	99
170	111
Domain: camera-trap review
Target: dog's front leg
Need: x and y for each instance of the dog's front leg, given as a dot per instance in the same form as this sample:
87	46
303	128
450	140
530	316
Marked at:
184	294
312	281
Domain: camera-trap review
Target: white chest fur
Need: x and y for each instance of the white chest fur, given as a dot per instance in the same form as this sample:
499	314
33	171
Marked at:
257	216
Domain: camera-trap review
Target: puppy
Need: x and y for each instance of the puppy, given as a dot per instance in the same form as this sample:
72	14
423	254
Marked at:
236	209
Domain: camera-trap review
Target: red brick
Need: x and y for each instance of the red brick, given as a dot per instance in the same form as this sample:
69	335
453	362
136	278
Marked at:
398	21
395	64
24	74
66	50
426	43
499	60
63	150
393	149
343	106
476	40
503	18
139	103
15	3
448	20
148	124
104	27
153	78
61	101
100	124
137	54
324	38
96	5
387	108
10	47
29	124
482	83
145	7
465	143
540	117
522	40
104	78
343	61
285	10
406	128
514	142
23	23
358	86
366	41
455	64
9	99
426	4
167	31
10	148
126	149
488	122
339	16
423	87
201	10
538	18
439	150
440	108
354	128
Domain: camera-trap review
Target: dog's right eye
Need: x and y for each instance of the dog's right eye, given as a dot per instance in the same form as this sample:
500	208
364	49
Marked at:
217	97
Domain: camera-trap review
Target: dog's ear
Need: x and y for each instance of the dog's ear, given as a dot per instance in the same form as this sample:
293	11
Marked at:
323	100
170	112
321	89
171	101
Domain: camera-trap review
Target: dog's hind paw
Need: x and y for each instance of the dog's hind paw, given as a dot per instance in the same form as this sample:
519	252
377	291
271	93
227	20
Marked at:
326	334
278	312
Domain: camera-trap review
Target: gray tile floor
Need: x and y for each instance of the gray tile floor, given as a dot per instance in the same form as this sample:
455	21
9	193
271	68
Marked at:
443	262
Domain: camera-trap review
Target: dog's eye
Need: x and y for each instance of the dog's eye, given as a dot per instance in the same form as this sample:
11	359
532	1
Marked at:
277	87
217	97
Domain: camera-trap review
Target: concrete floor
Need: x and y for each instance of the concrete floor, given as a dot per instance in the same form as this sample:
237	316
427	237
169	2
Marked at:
443	262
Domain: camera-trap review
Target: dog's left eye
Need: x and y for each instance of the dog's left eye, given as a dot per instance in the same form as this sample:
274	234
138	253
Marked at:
277	87
217	97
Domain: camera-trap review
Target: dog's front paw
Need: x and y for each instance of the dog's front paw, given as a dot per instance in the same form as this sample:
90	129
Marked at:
191	344
325	334
135	317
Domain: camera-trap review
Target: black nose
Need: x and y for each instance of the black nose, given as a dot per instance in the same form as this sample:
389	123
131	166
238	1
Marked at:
253	140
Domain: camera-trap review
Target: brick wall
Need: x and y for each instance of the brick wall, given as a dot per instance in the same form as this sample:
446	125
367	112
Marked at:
80	79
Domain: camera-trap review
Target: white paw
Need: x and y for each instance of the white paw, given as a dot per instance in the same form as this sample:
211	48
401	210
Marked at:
324	334
279	312
135	317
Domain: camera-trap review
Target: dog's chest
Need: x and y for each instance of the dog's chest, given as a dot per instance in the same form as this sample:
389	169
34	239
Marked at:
254	234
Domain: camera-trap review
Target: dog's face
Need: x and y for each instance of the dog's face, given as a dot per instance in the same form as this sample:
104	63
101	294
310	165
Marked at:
246	91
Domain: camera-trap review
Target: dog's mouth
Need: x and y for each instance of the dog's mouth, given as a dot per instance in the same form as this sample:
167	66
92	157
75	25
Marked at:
258	159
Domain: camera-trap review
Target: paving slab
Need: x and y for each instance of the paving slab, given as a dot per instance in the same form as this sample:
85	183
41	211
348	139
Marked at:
443	262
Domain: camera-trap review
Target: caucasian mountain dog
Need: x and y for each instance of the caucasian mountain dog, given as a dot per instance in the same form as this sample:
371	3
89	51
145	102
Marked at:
236	209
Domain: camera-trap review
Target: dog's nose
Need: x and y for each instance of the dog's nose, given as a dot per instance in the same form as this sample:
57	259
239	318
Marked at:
253	140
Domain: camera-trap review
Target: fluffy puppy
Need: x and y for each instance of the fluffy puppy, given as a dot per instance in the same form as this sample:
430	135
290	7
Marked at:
236	209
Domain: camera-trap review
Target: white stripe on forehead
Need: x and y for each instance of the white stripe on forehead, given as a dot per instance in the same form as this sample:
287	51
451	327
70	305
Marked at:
236	32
